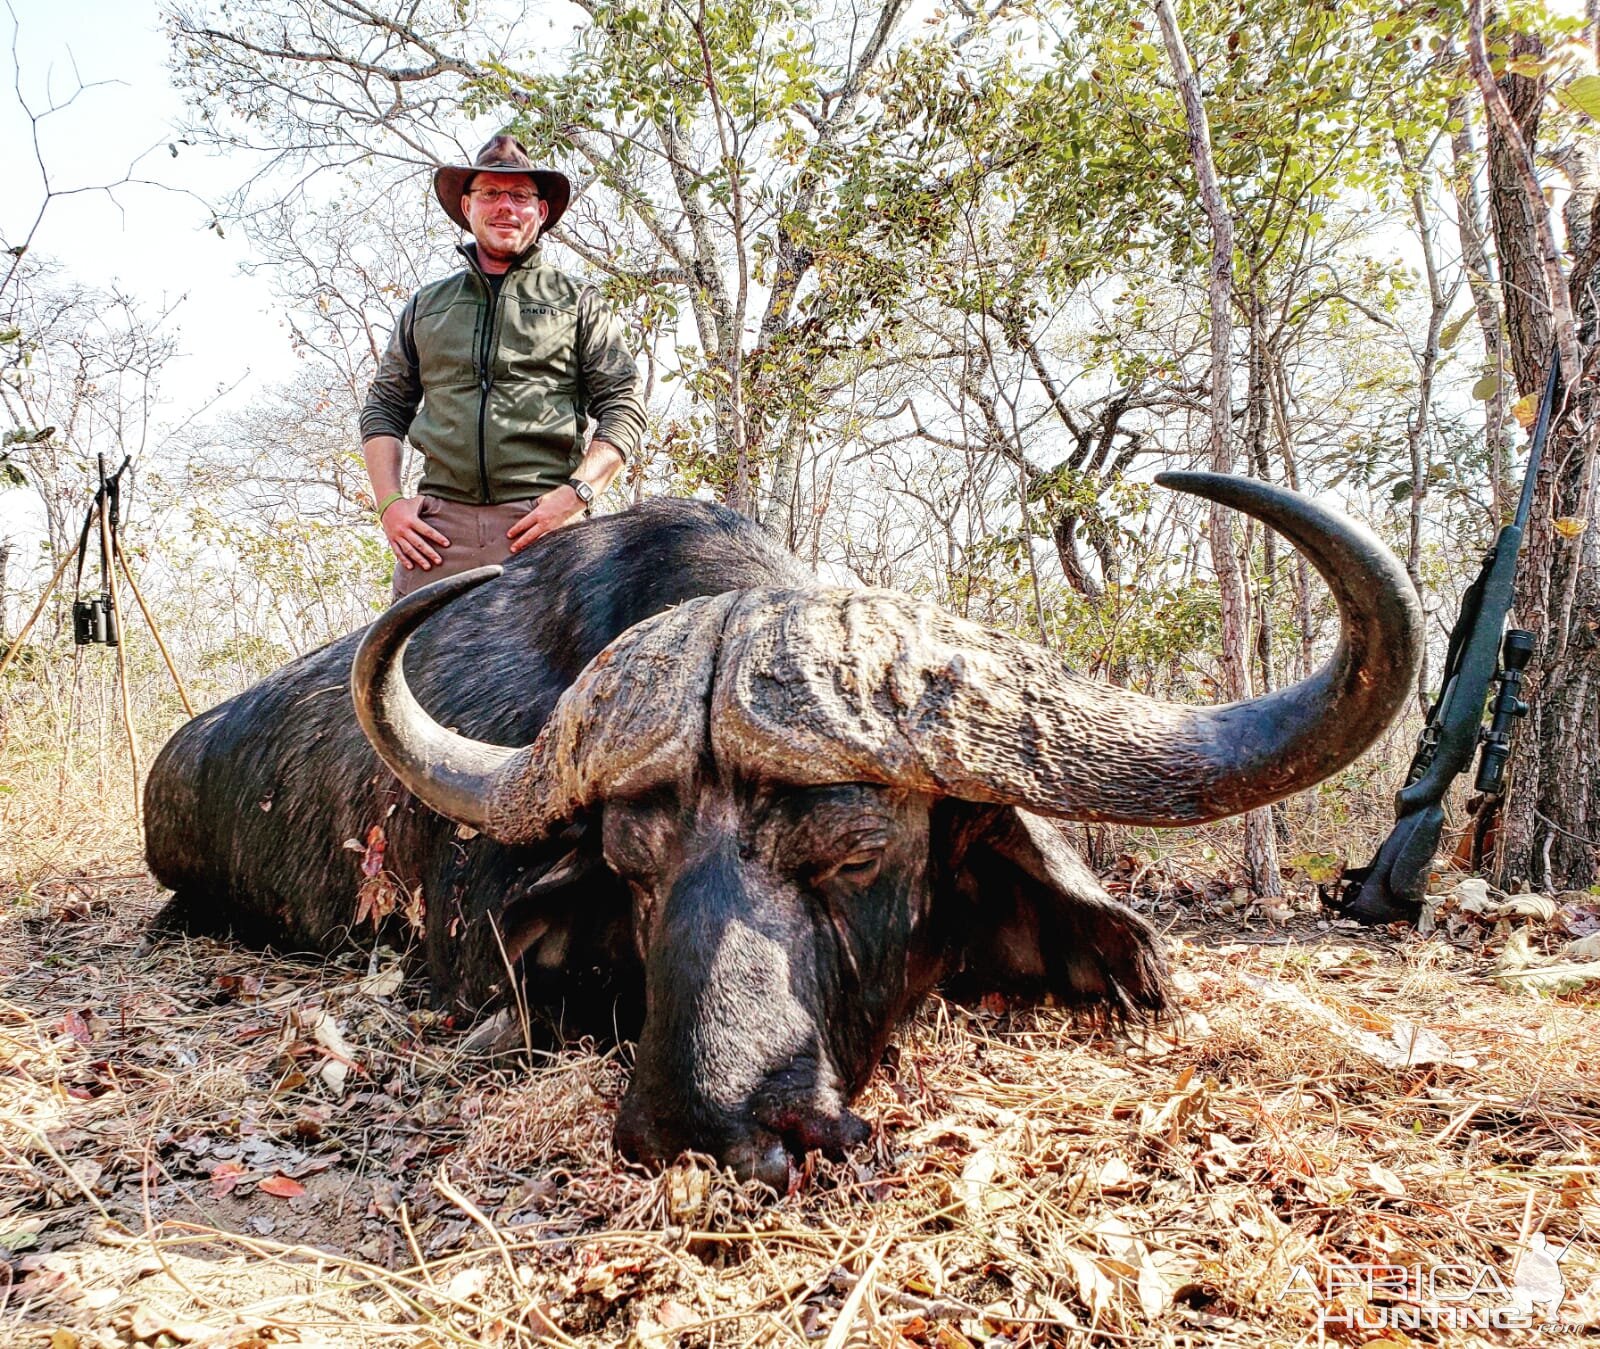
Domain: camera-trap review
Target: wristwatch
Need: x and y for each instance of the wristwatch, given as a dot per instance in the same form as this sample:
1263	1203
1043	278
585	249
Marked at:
585	494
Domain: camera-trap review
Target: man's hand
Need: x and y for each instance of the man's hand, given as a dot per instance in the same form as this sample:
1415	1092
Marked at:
411	538
550	513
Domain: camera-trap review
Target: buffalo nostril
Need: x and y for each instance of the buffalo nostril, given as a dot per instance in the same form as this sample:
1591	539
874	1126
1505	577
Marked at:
805	1128
853	1129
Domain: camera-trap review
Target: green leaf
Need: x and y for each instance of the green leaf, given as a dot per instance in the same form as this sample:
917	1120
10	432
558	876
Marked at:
1583	94
1487	387
1318	867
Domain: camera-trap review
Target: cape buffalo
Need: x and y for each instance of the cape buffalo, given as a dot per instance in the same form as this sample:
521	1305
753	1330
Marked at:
781	812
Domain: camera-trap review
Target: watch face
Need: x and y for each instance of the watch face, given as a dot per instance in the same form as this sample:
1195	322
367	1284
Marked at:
584	491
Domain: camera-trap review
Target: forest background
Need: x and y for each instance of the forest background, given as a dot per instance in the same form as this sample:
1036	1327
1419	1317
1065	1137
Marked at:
925	289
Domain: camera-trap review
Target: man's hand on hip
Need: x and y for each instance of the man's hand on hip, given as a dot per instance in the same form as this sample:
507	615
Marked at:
550	513
411	538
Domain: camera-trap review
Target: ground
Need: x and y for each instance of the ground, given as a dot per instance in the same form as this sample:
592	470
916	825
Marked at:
202	1144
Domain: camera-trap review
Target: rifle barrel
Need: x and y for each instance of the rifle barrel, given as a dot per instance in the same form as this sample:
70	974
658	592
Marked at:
1547	404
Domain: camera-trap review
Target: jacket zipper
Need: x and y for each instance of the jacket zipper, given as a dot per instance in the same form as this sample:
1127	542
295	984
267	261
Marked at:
485	383
486	361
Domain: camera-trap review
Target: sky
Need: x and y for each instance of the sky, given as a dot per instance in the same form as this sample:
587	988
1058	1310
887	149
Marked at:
157	245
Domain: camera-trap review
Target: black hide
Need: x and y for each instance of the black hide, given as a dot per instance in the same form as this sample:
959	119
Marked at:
249	806
764	938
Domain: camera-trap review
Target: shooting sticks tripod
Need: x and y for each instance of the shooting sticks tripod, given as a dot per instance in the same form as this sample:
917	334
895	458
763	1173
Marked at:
99	620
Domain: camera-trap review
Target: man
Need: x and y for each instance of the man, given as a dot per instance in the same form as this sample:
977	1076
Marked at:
494	373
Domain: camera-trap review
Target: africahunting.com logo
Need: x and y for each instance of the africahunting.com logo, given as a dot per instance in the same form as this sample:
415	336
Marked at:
1374	1298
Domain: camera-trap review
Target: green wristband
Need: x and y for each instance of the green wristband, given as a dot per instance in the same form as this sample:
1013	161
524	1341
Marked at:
387	502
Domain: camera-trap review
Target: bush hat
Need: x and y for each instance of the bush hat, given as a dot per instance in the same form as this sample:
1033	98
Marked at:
502	154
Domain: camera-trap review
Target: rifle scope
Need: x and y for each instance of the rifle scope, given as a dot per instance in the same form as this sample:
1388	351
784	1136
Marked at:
1515	654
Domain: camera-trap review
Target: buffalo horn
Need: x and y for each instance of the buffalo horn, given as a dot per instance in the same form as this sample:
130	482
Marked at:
876	686
634	718
449	772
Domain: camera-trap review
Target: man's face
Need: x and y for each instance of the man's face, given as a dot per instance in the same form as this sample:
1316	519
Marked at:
505	212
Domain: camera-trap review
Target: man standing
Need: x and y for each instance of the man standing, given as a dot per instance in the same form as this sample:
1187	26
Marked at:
494	373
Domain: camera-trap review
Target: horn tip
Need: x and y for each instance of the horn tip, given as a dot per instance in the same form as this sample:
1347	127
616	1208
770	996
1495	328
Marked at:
435	594
1193	481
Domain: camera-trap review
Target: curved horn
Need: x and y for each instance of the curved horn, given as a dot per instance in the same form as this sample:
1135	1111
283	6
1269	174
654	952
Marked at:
452	774
880	687
634	718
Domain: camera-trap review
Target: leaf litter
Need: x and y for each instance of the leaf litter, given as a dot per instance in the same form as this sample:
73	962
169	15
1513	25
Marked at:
178	1164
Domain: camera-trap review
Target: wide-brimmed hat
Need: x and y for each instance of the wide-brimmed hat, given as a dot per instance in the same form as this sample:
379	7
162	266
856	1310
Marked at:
503	154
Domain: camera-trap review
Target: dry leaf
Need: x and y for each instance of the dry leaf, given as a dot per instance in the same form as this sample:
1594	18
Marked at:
540	1322
224	1177
1385	1181
1569	526
659	1329
1118	1239
372	857
75	1026
1584	949
1155	1294
1541	907
341	1057
281	1187
148	1323
1583	1309
378	897
1526	410
1187	1105
976	1188
466	1285
1095	1286
1518	967
1116	1174
383	984
1367	1019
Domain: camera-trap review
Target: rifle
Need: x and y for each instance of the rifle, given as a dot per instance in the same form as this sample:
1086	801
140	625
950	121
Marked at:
1390	888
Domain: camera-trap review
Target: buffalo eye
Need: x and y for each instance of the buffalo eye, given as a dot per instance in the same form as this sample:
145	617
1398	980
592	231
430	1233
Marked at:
860	868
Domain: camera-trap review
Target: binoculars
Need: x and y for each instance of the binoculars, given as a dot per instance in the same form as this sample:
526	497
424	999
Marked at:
94	621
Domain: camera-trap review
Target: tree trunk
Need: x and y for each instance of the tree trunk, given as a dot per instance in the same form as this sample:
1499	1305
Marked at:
1550	837
1261	851
779	515
1483	280
1255	439
1439	302
1304	663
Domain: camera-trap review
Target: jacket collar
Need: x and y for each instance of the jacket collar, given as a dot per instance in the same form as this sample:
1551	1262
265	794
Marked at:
470	252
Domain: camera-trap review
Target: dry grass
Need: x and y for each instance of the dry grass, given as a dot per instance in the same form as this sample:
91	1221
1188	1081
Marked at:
179	1163
205	1145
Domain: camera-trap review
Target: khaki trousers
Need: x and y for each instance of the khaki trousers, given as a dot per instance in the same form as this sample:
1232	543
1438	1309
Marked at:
477	537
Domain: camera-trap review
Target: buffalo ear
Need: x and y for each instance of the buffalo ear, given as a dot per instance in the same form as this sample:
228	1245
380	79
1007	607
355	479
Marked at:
1030	918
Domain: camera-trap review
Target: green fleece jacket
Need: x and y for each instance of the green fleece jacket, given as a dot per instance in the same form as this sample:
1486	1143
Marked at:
496	391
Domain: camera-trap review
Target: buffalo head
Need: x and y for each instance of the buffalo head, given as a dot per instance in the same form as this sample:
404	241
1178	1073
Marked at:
823	802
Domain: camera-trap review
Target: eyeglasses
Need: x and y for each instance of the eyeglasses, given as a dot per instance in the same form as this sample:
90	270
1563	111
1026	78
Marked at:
520	197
